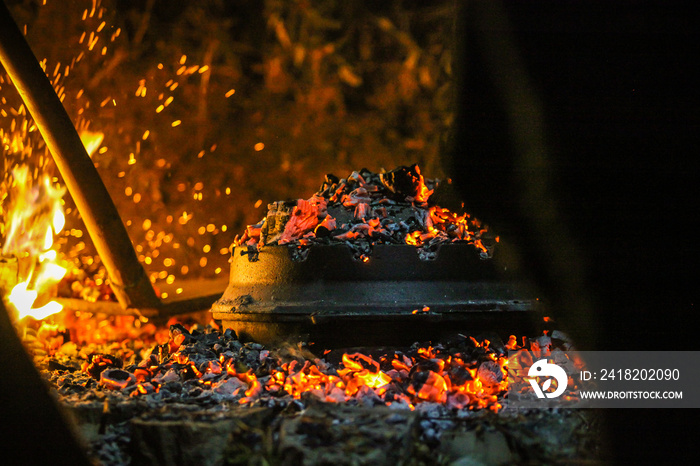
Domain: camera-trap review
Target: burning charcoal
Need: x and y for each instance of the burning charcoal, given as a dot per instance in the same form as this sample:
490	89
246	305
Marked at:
328	184
359	177
143	389
179	336
230	334
116	379
381	212
348	208
559	357
356	197
428	365
368	397
56	366
459	375
406	182
458	400
541	344
228	386
303	219
324	228
190	372
490	341
99	362
562	340
169	376
362	210
490	373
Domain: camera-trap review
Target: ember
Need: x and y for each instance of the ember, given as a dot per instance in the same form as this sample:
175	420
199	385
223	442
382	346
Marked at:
365	209
467	374
196	367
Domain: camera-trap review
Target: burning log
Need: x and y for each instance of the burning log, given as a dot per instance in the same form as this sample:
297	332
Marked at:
129	280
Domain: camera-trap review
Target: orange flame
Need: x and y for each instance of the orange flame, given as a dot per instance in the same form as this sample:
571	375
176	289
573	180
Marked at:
91	140
35	216
423	192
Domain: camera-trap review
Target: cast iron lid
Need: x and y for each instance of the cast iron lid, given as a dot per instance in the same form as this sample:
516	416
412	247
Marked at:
394	281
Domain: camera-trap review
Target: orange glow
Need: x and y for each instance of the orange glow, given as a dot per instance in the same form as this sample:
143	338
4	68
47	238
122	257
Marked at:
361	370
431	374
434	388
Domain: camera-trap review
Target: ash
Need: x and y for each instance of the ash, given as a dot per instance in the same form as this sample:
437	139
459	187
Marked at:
205	397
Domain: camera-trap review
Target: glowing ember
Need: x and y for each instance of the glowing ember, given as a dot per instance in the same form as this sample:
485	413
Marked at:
465	374
365	209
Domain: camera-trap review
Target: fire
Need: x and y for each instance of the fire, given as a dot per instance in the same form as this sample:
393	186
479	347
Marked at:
423	192
91	140
456	227
362	370
34	217
469	375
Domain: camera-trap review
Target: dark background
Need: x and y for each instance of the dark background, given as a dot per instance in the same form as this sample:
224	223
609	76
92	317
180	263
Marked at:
617	89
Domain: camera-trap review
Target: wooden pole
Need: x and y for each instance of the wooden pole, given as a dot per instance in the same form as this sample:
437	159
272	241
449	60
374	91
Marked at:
104	225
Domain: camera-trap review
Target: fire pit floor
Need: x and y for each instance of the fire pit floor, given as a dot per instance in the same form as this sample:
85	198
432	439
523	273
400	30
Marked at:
311	432
190	413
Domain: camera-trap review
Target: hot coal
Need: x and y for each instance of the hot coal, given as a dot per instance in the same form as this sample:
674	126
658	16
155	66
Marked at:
205	364
201	392
365	209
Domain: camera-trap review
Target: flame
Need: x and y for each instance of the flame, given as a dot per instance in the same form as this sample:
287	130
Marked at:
423	192
35	216
454	226
91	140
